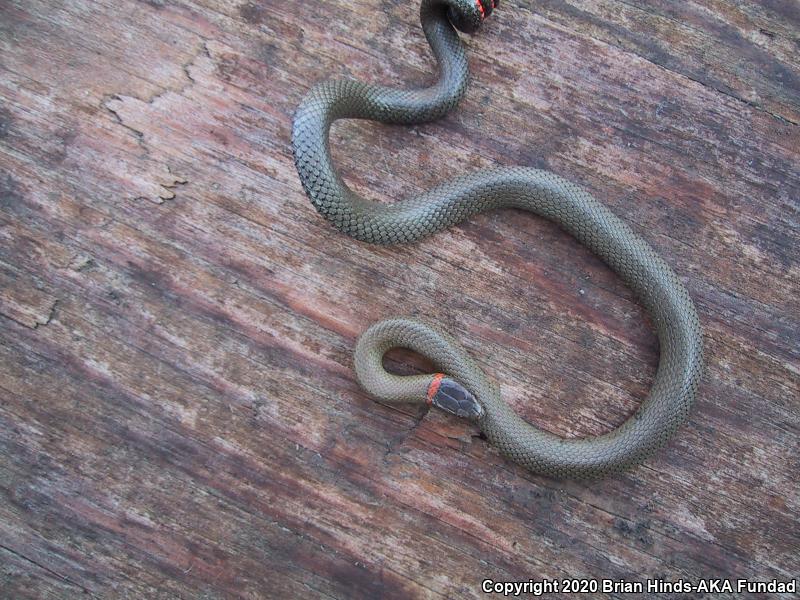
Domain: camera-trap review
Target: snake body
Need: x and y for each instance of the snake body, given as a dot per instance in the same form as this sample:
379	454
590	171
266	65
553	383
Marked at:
462	388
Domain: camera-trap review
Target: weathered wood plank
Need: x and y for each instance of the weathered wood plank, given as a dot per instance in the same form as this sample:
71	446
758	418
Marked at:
178	413
23	578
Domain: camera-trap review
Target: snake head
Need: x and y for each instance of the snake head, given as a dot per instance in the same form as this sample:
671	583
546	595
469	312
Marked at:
452	397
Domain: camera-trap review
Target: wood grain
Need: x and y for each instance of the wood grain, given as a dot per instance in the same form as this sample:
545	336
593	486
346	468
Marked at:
178	411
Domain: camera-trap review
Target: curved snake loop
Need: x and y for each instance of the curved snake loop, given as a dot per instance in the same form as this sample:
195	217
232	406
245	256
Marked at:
465	390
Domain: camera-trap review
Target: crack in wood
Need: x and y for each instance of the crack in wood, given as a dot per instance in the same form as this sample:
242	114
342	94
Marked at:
46	569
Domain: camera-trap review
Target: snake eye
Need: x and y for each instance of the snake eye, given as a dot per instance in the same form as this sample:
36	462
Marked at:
452	397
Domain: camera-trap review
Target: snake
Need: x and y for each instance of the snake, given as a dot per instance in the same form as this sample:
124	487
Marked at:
460	387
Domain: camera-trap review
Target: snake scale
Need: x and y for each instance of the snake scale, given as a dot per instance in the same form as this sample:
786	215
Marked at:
461	387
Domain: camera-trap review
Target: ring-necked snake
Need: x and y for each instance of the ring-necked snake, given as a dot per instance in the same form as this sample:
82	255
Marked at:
462	388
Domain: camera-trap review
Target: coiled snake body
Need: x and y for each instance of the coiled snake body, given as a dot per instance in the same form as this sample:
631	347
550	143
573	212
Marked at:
462	388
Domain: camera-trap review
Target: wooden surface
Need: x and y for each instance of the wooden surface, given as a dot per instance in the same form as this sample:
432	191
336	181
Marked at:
178	411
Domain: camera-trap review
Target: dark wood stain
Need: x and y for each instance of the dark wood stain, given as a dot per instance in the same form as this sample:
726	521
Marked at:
178	412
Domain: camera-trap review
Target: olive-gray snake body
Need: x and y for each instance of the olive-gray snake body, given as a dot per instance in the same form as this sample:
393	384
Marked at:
462	388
